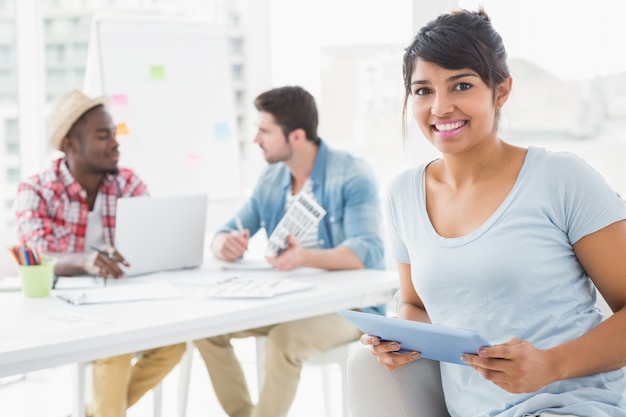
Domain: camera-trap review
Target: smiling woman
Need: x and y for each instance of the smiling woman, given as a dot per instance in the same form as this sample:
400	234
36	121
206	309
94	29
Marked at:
481	233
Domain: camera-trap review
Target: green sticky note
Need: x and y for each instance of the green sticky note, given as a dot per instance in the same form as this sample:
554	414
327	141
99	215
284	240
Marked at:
157	72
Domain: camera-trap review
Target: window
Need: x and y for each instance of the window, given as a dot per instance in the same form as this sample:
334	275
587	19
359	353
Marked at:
12	145
65	27
13	175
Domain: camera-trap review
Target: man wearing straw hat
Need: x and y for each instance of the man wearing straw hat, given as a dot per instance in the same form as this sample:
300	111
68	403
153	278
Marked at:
67	210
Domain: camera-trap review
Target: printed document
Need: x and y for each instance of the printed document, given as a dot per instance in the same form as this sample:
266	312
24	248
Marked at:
303	215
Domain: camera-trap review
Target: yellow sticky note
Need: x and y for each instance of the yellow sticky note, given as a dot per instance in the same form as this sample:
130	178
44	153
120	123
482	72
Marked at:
157	72
122	129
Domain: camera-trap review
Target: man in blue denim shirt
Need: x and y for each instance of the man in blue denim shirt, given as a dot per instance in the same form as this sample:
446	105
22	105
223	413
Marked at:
349	236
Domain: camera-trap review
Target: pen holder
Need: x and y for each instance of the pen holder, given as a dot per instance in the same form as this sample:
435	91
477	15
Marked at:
36	279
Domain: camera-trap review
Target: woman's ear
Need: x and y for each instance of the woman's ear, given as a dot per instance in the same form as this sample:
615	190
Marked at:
502	91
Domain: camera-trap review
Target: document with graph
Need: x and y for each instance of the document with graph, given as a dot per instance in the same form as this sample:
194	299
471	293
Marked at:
303	215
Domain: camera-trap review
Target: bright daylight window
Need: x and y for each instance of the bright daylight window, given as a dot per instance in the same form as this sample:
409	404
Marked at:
569	90
569	84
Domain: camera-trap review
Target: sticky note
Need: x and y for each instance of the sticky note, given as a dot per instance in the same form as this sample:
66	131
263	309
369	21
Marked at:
194	160
119	100
221	130
122	129
157	72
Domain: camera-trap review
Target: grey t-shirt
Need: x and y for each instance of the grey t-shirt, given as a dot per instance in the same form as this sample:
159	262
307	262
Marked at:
514	276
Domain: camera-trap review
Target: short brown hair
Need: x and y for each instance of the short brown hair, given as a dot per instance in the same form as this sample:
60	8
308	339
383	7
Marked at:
293	108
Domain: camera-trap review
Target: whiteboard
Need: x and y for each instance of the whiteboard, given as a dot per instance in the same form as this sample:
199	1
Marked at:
169	82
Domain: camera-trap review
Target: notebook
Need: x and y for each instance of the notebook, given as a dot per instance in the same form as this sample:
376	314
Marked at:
161	233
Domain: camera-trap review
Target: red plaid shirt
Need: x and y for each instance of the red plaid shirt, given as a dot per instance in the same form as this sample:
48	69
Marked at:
51	207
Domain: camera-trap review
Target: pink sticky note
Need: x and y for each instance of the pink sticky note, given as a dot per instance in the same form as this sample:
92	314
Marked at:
119	100
194	159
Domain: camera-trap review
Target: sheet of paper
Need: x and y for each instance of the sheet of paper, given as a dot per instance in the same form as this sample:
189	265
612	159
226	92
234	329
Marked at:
246	265
78	282
46	325
303	215
122	293
242	287
10	284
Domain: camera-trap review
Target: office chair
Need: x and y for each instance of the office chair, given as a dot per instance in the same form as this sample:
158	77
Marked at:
338	356
80	380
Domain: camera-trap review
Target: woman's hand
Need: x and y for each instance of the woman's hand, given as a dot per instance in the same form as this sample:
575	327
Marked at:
388	353
515	366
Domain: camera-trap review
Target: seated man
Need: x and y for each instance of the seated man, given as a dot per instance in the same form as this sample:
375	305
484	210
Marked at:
347	237
68	212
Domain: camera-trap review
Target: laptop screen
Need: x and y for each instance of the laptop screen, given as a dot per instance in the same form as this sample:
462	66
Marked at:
161	233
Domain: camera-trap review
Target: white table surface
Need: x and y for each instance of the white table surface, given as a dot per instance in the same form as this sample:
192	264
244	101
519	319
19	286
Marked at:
46	332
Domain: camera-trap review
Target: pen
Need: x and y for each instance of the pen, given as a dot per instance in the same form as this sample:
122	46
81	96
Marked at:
105	253
239	225
242	231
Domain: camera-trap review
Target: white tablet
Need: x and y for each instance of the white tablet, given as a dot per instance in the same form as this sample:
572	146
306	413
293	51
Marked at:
436	342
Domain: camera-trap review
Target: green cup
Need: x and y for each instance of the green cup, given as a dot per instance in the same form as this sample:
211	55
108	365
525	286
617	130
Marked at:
36	279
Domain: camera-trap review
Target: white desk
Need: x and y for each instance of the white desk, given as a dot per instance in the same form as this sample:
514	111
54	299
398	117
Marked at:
27	344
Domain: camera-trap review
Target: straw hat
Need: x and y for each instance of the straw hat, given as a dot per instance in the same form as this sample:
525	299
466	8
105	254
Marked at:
66	111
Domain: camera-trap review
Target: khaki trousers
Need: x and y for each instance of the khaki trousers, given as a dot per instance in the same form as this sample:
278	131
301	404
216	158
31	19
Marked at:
118	383
288	345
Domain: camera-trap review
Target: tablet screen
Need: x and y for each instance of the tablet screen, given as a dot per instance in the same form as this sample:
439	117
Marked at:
436	342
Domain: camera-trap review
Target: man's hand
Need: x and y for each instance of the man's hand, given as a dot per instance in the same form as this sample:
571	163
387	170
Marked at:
290	258
231	246
105	263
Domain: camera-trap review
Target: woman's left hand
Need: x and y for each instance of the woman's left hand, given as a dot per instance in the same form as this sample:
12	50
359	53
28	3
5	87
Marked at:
515	366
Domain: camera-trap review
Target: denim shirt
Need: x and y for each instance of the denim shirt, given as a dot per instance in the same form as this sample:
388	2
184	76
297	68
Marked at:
343	185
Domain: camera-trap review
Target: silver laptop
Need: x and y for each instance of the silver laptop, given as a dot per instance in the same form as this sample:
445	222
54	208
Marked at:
161	233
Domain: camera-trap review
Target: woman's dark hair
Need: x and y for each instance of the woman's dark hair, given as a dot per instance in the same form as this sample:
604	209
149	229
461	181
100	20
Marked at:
293	108
460	39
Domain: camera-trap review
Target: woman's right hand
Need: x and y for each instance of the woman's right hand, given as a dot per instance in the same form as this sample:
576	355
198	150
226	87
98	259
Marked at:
388	353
